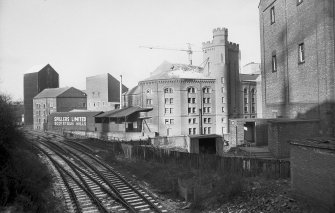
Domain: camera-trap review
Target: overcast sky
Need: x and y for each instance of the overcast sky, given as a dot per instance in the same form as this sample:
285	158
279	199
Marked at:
81	38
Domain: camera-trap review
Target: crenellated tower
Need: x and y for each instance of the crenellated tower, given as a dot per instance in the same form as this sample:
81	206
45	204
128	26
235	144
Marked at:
222	64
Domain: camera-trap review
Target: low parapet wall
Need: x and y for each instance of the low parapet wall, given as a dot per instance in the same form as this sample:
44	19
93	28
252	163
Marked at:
118	136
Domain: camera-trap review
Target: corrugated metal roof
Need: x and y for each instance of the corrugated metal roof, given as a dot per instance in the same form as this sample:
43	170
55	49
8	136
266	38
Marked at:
77	113
108	113
123	112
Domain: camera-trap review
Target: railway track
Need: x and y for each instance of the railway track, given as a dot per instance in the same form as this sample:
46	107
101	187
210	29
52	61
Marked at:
88	183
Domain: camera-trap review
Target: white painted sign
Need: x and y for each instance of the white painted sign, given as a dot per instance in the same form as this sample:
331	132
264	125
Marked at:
70	121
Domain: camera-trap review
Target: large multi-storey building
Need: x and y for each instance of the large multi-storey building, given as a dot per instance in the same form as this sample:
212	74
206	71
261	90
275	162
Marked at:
189	100
251	90
56	100
297	50
103	92
35	80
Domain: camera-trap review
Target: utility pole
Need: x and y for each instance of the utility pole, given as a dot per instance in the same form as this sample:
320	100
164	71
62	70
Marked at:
120	91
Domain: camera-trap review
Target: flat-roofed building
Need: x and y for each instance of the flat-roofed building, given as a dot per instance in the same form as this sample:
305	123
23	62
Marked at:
103	92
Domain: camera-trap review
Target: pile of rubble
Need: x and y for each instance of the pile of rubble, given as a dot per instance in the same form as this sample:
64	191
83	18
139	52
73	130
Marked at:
265	196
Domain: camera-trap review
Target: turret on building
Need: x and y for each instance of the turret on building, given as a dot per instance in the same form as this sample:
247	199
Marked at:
193	100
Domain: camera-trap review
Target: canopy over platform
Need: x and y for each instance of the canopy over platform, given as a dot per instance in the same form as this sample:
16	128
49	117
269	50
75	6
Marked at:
119	113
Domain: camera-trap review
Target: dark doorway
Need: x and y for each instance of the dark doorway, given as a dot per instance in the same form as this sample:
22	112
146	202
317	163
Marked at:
249	132
207	146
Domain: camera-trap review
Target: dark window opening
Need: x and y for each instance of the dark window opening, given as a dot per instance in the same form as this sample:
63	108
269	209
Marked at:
272	15
274	63
301	53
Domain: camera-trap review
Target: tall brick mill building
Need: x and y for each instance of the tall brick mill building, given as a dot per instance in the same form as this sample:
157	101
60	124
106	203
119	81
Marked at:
297	60
35	80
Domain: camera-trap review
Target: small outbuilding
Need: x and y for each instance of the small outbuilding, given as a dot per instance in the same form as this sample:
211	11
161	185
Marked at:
206	144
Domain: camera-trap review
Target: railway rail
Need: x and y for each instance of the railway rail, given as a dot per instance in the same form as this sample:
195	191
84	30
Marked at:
88	183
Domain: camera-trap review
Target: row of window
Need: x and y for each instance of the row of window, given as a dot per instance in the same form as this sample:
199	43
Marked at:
39	113
246	100
168	100
38	106
301	57
97	104
273	15
191	89
169	121
38	120
190	110
189	100
193	131
190	121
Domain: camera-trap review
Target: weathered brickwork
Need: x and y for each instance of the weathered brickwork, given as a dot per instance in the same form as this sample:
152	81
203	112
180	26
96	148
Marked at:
237	131
298	89
282	131
313	175
56	100
34	83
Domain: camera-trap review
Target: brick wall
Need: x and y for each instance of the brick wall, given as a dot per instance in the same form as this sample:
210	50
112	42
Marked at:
313	176
297	89
236	129
280	132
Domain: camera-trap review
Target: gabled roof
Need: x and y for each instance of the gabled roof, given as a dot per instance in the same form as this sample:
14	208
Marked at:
118	113
60	92
169	70
133	91
36	68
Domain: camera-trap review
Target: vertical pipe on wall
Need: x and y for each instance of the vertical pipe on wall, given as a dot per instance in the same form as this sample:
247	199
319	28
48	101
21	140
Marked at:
120	91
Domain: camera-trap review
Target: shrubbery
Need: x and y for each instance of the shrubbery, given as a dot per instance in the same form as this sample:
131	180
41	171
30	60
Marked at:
25	184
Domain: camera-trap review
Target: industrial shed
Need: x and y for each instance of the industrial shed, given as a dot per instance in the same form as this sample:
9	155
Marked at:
206	144
128	119
72	121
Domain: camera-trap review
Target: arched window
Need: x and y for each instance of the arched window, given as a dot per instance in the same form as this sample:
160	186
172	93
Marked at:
206	90
191	90
168	90
148	91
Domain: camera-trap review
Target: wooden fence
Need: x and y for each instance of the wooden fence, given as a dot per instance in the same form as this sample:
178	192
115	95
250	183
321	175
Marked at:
246	166
238	165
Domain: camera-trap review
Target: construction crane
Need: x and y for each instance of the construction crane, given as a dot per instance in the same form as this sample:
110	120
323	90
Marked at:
189	50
